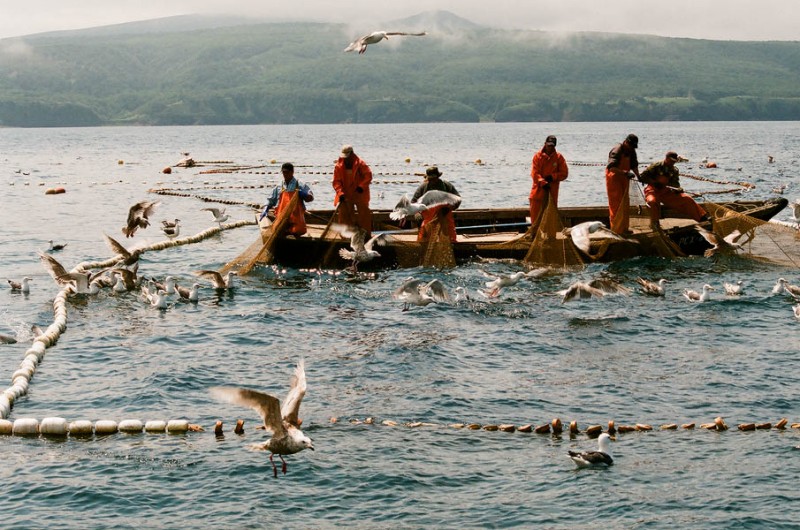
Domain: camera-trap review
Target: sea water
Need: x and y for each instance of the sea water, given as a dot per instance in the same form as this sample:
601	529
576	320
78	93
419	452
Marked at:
522	358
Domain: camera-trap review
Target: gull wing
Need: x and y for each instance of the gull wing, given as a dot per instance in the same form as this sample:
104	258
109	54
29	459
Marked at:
437	291
410	287
379	240
117	247
420	34
297	390
52	265
436	198
609	286
580	236
579	290
216	212
267	406
215	277
711	237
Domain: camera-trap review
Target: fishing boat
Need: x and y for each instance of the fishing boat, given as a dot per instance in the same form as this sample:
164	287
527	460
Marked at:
498	233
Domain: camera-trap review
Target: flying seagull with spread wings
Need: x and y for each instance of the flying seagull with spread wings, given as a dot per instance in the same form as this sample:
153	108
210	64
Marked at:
375	37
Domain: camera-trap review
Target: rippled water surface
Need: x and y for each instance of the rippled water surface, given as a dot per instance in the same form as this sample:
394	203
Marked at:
522	358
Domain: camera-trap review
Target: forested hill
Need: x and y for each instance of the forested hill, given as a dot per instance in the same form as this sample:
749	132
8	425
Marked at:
175	71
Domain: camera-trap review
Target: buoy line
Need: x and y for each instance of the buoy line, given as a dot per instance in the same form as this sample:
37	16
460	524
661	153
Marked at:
743	184
556	427
54	426
167	191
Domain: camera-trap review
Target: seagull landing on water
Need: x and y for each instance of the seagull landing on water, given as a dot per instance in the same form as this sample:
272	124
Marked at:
430	199
375	37
581	235
361	250
80	281
21	286
284	421
652	288
217	280
733	289
599	458
694	296
720	245
219	215
498	283
138	217
419	293
596	288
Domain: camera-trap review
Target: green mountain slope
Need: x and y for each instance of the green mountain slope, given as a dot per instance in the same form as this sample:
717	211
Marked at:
297	73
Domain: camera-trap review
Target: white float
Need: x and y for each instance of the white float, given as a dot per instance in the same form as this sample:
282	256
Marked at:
177	426
26	426
6	427
105	427
81	428
54	426
155	426
130	426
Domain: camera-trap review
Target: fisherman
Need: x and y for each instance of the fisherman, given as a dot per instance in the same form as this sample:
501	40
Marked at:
623	165
297	221
434	182
548	169
351	180
664	187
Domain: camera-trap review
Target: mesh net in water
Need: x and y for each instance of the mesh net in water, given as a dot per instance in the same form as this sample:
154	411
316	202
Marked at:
653	241
550	246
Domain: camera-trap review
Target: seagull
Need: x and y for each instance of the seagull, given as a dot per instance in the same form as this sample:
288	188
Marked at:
21	286
56	247
694	296
126	280
376	37
430	199
188	294
217	280
601	457
733	289
157	299
138	217
283	421
497	284
219	215
129	257
652	288
796	310
581	235
417	292
580	291
7	339
79	280
783	285
168	224
172	231
796	211
361	251
719	245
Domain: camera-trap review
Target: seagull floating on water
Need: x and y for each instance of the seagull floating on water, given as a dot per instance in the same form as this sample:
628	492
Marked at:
138	216
419	293
796	310
284	421
694	296
375	37
599	458
21	286
56	247
783	285
733	289
361	250
217	280
652	288
191	295
430	199
219	215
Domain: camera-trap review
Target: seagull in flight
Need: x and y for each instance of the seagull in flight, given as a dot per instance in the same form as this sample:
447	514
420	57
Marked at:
80	281
361	250
375	37
418	292
138	217
219	215
720	245
599	458
581	234
283	420
430	199
596	288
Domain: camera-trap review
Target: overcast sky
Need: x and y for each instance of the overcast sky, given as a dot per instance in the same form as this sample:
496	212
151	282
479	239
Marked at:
704	19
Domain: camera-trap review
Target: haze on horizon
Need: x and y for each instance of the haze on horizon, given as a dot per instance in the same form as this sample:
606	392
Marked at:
699	19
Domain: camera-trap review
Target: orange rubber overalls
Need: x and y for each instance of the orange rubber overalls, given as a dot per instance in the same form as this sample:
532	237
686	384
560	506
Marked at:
355	208
544	165
617	185
297	219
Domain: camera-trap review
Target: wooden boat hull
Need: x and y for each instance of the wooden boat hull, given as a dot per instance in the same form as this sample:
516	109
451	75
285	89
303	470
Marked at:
492	234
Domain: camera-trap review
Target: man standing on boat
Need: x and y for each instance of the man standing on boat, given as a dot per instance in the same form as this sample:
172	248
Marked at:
282	195
434	182
351	180
664	187
548	169
623	165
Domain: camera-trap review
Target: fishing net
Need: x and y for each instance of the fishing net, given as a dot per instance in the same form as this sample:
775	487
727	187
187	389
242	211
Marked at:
550	246
653	242
769	242
437	249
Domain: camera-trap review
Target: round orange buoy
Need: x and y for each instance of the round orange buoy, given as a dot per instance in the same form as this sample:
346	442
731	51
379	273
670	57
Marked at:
120	162
408	160
167	170
50	191
711	165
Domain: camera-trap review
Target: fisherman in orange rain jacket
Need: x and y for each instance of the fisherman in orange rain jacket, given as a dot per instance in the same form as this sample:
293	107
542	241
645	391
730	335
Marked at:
351	179
548	169
623	165
282	195
664	187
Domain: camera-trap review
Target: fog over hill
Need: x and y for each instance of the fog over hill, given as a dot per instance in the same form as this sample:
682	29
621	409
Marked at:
201	70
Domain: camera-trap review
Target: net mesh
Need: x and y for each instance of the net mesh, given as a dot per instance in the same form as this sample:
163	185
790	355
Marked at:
437	250
653	242
760	240
550	246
